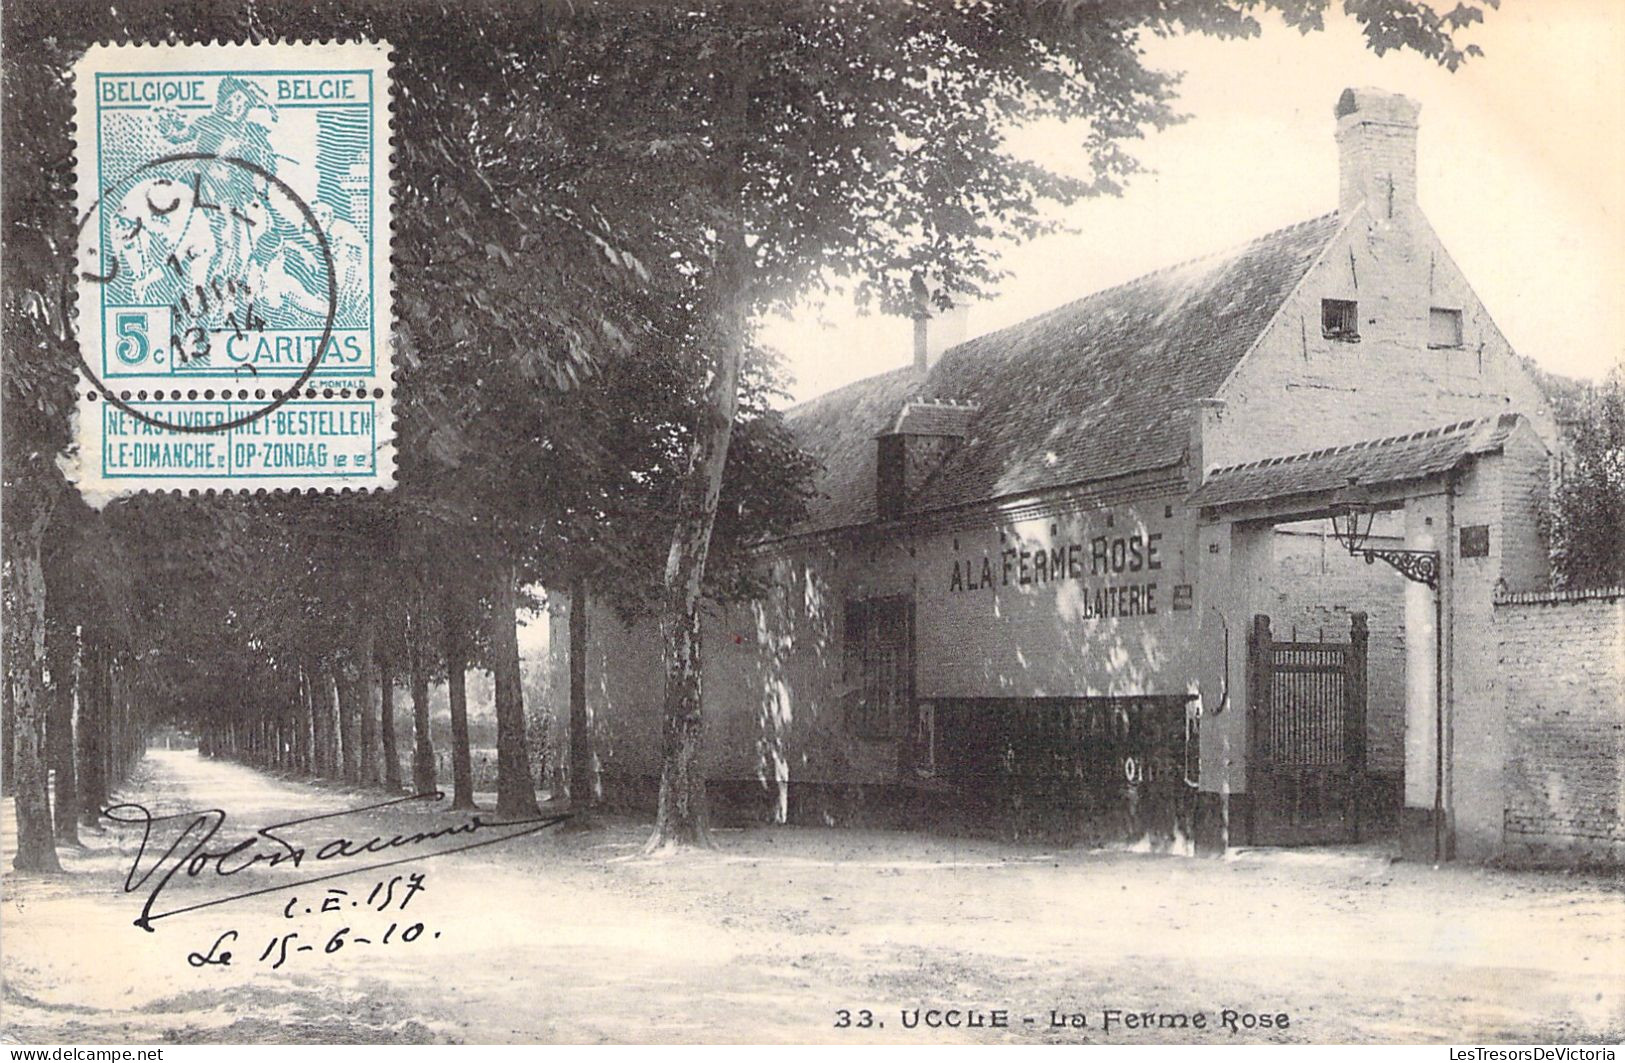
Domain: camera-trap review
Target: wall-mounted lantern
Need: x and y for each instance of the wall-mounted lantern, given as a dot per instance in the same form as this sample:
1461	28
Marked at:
1353	515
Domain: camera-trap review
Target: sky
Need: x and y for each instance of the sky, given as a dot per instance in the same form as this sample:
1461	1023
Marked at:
1521	169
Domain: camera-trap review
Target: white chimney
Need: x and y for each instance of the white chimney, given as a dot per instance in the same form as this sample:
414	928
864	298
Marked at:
937	330
1376	141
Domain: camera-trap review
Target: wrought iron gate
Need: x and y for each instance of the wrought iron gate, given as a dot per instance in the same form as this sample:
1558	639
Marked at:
1307	724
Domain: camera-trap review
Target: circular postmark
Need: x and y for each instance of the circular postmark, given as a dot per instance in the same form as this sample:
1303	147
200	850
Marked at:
191	230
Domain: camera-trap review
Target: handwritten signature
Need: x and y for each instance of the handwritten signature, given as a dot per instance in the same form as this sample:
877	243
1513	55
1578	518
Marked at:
188	854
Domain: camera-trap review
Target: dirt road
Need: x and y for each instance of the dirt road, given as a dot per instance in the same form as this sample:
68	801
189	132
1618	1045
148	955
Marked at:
577	937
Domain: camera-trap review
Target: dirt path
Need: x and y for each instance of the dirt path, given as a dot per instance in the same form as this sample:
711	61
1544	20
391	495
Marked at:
578	938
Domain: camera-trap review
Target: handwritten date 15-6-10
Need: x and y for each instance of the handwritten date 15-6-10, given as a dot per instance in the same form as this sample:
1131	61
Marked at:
394	893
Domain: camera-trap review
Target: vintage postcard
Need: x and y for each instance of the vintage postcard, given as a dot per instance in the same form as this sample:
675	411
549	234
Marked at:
234	282
888	523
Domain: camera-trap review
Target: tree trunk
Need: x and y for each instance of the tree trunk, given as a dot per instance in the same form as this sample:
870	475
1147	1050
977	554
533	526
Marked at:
516	789
313	698
367	733
62	655
303	742
303	721
322	709
682	817
27	514
583	777
107	741
368	698
93	687
132	708
386	723
462	767
423	780
8	744
349	720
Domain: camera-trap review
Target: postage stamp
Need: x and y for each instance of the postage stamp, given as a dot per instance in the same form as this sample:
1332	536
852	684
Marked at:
232	270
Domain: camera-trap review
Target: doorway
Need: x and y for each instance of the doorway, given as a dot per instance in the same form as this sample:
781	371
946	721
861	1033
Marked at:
1307	722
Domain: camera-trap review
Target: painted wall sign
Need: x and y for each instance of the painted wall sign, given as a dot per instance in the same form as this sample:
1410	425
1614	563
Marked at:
1102	555
1081	601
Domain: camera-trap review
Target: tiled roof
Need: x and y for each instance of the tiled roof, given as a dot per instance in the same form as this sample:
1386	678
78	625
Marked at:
1097	388
1395	459
922	417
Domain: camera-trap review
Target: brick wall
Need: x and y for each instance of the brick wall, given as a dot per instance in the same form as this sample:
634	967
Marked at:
1562	659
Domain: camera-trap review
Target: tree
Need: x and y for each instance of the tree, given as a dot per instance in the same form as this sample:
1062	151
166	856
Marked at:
516	789
606	527
1587	521
417	652
386	722
582	790
25	681
62	660
455	629
782	142
36	391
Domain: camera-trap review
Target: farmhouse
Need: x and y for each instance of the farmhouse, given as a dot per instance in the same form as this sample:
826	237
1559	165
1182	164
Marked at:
1212	557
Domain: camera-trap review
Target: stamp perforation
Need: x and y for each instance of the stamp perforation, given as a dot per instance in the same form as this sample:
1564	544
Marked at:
315	81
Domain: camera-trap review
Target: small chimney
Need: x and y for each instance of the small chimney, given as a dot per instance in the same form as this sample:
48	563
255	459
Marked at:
915	444
937	330
1376	141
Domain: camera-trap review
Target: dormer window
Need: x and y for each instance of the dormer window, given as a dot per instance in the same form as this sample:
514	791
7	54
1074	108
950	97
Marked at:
1444	327
1340	320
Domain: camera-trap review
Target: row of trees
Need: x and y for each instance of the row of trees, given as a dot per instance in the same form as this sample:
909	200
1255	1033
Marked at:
594	201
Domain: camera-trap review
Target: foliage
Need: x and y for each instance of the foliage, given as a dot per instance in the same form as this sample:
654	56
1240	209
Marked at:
1587	520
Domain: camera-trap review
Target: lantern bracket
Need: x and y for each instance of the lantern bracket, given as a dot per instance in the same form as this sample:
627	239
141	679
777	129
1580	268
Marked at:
1351	519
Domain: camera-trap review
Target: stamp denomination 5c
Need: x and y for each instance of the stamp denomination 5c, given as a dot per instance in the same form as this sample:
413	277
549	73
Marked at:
232	269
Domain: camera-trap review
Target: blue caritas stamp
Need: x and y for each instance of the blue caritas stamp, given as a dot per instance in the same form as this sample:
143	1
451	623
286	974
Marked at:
233	267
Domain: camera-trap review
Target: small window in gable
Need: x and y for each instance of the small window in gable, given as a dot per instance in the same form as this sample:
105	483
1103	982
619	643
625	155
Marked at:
1340	319
1444	328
